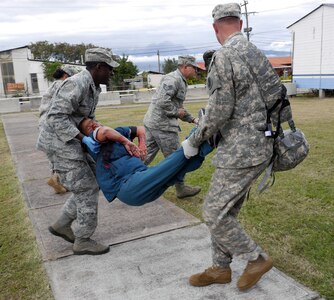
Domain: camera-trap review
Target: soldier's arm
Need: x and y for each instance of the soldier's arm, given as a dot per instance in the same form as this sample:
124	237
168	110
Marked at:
64	102
187	117
105	134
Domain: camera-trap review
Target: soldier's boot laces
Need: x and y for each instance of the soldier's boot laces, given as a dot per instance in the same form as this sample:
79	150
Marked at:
215	138
62	228
211	275
53	181
253	272
183	191
88	246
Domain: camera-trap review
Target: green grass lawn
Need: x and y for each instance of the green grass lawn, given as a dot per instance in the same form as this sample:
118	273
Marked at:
293	220
22	275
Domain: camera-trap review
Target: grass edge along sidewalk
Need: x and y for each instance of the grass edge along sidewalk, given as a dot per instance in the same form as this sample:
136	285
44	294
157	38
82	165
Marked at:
22	274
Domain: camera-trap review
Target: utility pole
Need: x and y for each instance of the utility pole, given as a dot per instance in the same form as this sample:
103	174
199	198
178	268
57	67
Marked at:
247	29
158	60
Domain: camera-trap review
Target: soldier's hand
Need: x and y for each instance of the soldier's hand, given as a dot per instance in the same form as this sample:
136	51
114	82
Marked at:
182	112
93	146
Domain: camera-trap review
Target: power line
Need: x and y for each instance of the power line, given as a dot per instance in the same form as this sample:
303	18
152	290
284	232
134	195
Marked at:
247	29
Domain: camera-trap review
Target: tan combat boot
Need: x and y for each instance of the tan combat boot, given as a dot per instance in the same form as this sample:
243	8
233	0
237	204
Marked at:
88	246
62	228
211	275
183	191
53	181
253	272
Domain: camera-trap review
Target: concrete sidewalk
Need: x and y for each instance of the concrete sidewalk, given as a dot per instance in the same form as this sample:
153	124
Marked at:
154	248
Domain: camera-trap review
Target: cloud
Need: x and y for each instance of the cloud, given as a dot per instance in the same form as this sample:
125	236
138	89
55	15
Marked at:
133	25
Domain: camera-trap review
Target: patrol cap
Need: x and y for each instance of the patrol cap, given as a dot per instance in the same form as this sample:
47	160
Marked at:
187	60
100	55
226	10
70	70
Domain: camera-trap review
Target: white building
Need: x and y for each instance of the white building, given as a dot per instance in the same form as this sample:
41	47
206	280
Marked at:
313	49
21	74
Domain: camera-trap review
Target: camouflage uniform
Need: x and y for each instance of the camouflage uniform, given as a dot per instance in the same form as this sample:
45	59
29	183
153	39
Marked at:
46	100
161	119
75	99
236	109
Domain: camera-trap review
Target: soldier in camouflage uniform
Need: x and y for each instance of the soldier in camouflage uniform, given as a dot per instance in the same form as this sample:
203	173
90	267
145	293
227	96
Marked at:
161	119
60	138
59	75
237	74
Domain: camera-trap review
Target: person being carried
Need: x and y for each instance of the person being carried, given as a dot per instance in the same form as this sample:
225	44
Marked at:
126	177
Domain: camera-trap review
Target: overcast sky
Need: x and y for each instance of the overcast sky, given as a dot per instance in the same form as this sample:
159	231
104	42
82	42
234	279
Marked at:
141	27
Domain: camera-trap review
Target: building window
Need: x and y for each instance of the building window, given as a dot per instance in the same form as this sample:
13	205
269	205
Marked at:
34	83
7	72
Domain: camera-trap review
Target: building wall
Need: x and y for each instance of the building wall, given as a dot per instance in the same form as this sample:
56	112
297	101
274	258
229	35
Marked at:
313	63
35	67
23	68
154	79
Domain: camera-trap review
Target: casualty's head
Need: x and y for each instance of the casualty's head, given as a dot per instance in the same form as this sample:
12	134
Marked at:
87	126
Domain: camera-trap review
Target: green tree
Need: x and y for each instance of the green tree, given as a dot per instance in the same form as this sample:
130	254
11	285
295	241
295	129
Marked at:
41	50
55	54
49	67
169	65
126	70
63	52
199	79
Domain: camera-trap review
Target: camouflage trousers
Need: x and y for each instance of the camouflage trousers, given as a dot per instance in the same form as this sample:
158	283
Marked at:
222	204
78	177
166	141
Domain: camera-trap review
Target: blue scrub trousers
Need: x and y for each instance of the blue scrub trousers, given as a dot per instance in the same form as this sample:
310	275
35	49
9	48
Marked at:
146	186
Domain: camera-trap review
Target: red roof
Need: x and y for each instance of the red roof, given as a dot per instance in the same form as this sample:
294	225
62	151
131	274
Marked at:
201	65
280	62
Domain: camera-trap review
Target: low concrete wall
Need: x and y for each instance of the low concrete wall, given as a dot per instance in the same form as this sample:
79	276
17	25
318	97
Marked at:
197	92
105	99
35	103
127	98
144	96
108	98
10	105
291	88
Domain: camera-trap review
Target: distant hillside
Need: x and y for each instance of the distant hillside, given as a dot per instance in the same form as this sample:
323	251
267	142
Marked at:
276	53
151	61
